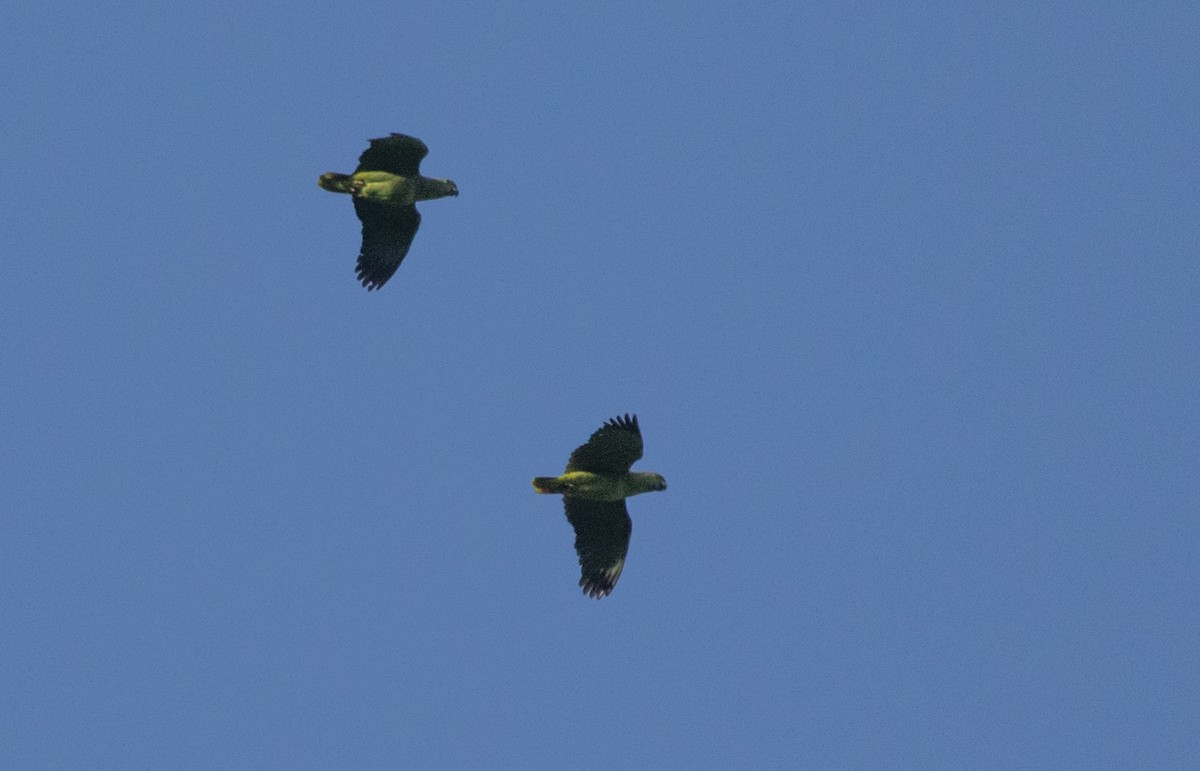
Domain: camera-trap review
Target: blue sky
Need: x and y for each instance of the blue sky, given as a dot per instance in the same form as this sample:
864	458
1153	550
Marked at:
904	297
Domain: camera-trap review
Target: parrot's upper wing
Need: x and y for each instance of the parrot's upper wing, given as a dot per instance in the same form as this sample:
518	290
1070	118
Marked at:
396	154
612	449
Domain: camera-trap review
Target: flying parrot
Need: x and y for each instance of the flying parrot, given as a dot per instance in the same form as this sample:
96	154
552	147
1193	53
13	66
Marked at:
384	187
594	488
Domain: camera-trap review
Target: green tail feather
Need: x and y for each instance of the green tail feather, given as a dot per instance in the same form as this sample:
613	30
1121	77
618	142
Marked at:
335	183
548	485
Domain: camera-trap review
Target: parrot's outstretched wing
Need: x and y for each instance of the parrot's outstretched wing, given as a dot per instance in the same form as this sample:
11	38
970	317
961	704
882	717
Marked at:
602	530
387	232
612	449
395	154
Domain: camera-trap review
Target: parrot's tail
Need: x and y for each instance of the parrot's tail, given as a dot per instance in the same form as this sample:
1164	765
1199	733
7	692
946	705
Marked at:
548	485
335	183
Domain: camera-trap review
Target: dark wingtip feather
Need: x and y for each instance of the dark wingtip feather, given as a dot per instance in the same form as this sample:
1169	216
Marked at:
628	422
364	276
596	587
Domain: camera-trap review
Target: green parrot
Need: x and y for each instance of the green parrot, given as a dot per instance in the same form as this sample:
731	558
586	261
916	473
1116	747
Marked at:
594	488
385	186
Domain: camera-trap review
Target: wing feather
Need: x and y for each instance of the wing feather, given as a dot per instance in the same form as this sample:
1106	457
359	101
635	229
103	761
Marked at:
602	530
397	154
612	449
387	233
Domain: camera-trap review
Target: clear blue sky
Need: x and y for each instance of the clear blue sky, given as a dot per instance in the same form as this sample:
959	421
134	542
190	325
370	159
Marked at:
904	295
